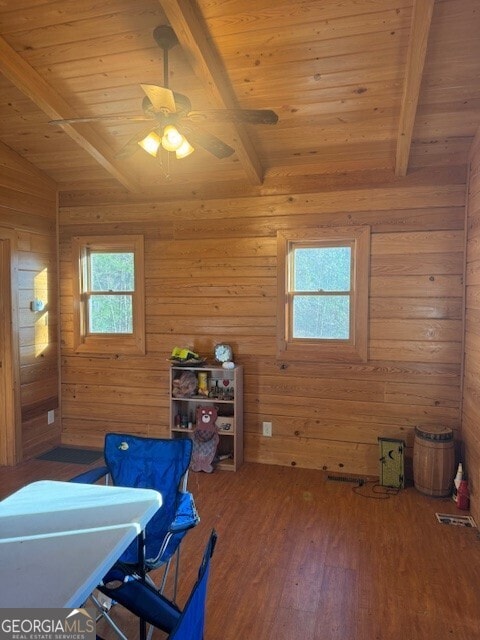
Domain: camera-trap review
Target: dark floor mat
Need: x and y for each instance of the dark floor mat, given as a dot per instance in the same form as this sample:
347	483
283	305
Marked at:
66	454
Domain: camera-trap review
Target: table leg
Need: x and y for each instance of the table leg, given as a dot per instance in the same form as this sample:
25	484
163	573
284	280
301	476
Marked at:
141	560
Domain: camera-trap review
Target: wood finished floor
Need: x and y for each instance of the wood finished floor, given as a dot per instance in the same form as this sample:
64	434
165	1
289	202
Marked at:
299	556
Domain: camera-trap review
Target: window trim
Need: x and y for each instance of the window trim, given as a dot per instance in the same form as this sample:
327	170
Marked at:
123	343
326	350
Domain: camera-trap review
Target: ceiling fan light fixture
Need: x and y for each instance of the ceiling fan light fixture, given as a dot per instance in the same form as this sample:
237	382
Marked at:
151	143
161	105
184	150
172	139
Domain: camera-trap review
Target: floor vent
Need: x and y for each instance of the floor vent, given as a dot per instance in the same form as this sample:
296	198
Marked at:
462	521
359	481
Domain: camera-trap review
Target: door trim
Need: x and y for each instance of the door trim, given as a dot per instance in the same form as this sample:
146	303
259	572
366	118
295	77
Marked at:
10	414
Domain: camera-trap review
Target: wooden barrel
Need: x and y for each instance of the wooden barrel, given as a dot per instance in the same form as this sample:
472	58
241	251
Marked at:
433	460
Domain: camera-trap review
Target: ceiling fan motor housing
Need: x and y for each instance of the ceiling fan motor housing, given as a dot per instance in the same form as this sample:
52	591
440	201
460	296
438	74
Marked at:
165	37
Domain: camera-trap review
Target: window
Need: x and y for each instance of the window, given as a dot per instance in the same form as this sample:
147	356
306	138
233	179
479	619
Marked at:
323	294
109	301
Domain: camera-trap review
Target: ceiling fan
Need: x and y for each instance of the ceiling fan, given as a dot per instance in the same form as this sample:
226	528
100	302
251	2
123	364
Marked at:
173	125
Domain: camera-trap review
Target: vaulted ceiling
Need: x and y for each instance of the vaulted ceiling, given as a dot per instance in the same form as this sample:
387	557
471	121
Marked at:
388	86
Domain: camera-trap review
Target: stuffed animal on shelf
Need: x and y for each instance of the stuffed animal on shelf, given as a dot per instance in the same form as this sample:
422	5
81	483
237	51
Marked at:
205	439
185	385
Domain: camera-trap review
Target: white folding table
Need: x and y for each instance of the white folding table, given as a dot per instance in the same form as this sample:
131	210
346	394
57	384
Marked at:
58	539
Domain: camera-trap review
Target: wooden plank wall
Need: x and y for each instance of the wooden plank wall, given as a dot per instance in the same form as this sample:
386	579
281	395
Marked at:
28	208
211	276
471	379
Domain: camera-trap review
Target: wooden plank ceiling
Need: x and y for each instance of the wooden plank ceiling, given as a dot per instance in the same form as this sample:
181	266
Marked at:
380	85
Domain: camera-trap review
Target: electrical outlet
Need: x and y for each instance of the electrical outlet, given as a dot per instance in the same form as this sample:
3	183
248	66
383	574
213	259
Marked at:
267	429
51	417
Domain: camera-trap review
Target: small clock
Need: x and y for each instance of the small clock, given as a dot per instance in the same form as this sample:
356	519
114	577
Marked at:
223	352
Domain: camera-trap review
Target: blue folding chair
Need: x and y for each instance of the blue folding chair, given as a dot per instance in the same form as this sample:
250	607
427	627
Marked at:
137	595
160	464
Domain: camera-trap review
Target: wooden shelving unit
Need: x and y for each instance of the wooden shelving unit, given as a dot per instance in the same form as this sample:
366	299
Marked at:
225	392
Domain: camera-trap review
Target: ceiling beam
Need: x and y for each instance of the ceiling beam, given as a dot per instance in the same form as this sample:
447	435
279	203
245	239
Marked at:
417	49
31	83
188	24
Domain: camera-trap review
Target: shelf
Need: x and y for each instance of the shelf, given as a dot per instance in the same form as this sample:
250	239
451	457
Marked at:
221	432
229	411
202	399
205	367
226	465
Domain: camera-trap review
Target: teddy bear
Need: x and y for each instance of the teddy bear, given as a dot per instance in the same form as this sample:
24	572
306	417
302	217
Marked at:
205	439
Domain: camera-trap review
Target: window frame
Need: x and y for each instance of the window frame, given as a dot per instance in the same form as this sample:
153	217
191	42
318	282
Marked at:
123	343
353	349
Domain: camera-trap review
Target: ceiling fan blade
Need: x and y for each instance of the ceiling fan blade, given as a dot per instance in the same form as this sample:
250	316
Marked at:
107	118
183	105
237	116
206	140
162	99
131	146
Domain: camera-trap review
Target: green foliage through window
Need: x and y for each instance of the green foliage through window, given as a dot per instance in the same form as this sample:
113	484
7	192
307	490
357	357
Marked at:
324	318
320	290
110	314
322	269
112	271
111	285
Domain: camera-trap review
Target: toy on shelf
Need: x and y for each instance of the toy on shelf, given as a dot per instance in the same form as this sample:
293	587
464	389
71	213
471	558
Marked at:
184	357
185	385
205	439
202	383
